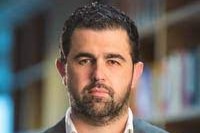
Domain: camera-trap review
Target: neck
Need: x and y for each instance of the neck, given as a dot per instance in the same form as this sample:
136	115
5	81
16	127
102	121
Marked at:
116	125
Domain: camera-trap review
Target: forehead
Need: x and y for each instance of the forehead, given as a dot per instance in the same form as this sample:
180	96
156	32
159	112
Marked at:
99	41
95	33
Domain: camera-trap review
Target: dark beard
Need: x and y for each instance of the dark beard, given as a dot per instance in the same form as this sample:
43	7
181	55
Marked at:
96	110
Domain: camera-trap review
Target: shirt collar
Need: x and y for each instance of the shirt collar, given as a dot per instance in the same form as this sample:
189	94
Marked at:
70	128
69	125
129	124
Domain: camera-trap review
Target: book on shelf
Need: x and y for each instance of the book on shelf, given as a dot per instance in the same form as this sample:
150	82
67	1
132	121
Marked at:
170	86
196	98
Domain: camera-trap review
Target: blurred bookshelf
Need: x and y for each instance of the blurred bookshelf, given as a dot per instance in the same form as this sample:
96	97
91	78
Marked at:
169	92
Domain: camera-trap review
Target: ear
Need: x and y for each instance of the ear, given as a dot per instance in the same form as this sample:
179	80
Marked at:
137	72
60	67
62	71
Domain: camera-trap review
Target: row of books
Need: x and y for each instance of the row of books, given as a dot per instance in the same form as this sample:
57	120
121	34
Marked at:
170	86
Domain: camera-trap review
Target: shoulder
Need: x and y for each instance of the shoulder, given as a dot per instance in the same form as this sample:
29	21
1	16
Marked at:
58	128
141	126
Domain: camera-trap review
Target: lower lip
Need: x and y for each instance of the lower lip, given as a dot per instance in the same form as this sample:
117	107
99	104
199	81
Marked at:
99	93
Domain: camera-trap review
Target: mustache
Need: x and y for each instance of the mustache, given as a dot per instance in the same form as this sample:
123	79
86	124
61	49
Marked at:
92	85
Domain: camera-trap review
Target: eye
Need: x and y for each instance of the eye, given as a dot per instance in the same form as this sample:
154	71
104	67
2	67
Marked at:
113	62
85	61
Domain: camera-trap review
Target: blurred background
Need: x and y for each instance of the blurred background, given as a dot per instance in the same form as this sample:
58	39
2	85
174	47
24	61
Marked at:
32	97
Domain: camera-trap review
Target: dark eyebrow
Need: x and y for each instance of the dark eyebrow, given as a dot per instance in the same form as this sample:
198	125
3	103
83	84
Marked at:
84	55
115	56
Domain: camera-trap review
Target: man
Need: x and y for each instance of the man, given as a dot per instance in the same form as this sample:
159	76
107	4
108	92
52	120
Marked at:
100	65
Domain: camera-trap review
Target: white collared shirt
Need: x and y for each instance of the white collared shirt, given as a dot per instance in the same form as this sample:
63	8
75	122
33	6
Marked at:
70	128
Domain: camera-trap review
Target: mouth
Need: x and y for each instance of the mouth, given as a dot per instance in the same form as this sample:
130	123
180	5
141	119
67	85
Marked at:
99	92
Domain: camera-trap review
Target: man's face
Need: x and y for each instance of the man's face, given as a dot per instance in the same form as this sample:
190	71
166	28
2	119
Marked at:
99	72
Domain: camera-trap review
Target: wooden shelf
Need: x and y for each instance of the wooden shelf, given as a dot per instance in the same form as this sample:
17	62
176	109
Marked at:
186	13
186	114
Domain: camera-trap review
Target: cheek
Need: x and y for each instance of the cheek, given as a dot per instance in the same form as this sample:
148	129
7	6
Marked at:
122	77
77	79
121	82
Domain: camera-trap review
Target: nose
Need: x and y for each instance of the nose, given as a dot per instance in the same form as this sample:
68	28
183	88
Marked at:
98	73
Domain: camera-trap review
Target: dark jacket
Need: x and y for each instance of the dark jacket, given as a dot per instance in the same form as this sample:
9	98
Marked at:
140	126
